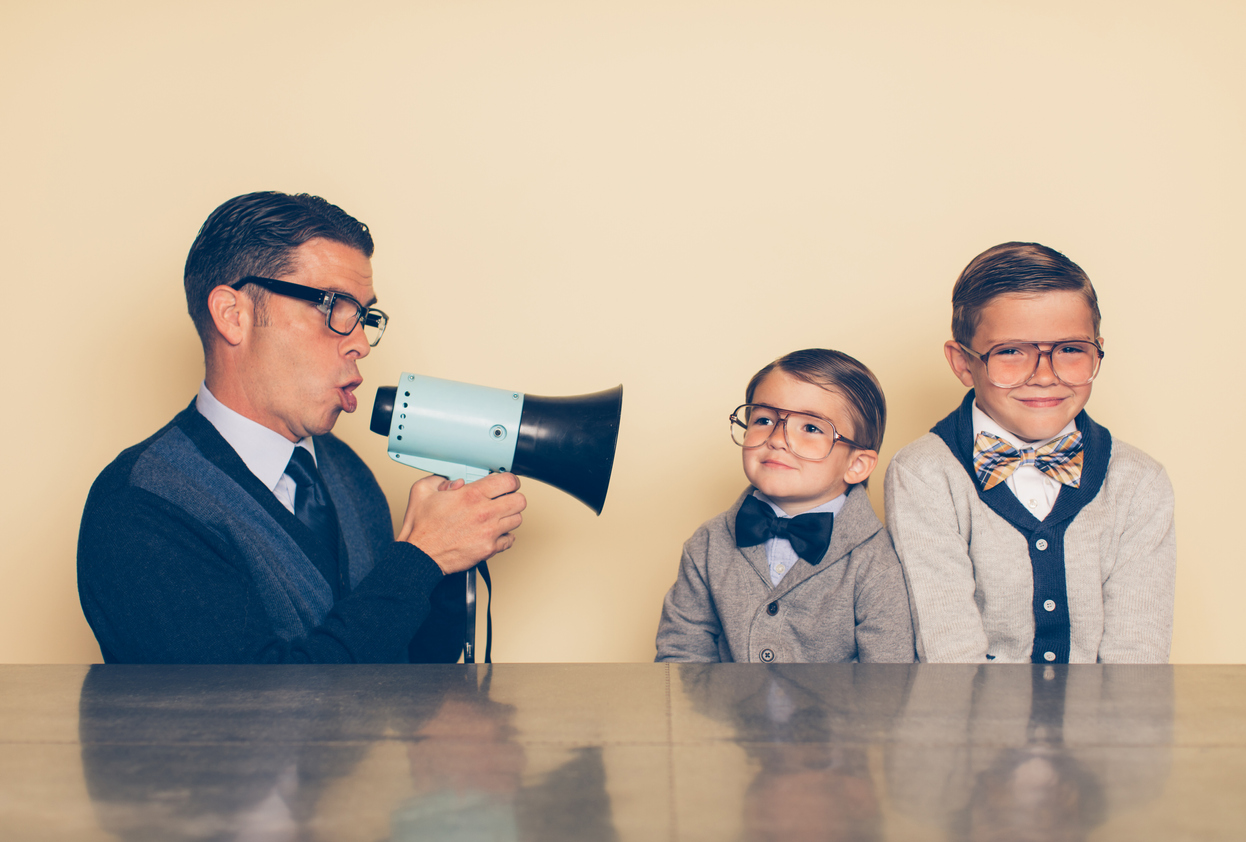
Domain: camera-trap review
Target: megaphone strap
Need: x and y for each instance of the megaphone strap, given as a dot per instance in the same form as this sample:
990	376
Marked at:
484	575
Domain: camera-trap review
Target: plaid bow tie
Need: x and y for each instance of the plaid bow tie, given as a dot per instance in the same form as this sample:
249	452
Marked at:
994	459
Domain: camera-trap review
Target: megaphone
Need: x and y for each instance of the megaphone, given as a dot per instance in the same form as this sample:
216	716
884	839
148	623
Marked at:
460	430
463	431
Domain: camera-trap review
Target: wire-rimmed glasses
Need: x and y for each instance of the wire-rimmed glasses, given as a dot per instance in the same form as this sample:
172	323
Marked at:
342	313
808	436
1013	364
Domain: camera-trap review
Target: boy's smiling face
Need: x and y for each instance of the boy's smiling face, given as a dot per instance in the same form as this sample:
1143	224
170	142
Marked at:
1038	409
797	485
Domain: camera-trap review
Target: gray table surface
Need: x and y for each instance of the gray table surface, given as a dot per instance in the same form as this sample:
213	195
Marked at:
557	752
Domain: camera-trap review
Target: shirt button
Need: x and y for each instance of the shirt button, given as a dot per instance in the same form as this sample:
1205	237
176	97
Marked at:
1050	656
1050	605
772	608
1041	543
780	567
767	655
1033	504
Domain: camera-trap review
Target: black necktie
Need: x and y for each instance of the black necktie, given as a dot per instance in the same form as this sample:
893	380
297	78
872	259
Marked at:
809	534
311	499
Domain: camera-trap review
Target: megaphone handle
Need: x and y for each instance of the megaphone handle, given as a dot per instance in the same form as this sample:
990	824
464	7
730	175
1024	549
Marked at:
469	628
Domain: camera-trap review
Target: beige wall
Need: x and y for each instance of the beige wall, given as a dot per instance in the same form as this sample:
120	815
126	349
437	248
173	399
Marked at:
567	196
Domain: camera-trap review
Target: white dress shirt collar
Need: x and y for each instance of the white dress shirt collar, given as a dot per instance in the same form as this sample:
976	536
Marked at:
832	506
983	423
265	452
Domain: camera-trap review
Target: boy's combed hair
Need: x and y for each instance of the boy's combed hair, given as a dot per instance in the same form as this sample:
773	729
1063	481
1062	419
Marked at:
1014	269
844	375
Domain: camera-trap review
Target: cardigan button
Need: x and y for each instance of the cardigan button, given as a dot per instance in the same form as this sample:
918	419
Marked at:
1050	605
772	608
767	655
1041	543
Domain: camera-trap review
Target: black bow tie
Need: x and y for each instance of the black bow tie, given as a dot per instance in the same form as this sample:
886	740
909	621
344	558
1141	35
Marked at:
809	534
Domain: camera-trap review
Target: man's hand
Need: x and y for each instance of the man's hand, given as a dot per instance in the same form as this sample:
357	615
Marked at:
461	525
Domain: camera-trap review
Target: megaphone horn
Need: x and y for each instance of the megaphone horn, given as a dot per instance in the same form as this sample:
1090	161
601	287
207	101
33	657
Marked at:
461	430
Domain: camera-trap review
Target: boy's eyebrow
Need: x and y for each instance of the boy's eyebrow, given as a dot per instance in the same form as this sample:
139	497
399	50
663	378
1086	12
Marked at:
800	411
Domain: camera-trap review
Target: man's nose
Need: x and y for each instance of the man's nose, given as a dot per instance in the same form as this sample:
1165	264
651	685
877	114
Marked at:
356	343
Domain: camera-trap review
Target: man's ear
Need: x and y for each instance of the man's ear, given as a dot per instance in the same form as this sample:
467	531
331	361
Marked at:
959	361
862	465
231	312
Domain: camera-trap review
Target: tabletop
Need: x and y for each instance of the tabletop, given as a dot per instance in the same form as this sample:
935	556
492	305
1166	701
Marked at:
556	752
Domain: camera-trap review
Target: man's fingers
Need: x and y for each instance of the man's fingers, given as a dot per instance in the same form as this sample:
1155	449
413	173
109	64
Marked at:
496	485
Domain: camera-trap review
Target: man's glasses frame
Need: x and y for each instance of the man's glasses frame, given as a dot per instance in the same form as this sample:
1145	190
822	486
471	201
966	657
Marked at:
325	302
740	428
985	359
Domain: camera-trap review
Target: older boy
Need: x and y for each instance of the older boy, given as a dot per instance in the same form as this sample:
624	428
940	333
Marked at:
1026	532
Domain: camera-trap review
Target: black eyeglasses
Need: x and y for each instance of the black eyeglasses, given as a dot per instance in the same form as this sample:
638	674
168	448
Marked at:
342	313
809	437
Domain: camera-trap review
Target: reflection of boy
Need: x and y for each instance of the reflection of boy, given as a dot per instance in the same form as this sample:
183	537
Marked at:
770	579
1026	532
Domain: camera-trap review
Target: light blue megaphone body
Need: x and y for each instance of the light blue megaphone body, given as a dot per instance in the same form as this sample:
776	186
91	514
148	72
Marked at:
456	430
464	431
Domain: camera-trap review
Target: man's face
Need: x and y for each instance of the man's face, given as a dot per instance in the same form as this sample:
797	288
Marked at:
300	374
1040	408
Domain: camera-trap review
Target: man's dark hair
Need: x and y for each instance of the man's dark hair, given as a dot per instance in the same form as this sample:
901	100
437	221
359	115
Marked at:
257	234
1014	269
837	372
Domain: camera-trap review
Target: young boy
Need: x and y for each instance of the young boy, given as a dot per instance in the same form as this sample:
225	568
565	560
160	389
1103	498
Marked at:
799	569
1026	532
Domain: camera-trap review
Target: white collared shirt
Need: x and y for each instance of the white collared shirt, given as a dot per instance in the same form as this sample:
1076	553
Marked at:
265	452
779	553
1033	488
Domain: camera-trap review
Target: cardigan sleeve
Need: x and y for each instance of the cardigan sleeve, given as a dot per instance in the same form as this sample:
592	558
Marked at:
689	630
1138	589
157	586
934	554
884	625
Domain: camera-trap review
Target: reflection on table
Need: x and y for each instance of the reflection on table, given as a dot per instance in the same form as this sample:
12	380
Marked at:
556	752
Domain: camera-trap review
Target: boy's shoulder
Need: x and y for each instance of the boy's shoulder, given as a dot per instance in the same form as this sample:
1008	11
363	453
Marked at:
721	527
1134	473
926	456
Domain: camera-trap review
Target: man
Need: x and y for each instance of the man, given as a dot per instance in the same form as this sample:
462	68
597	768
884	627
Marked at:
244	531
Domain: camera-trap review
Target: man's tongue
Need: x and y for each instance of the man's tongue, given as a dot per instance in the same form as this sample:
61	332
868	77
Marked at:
349	401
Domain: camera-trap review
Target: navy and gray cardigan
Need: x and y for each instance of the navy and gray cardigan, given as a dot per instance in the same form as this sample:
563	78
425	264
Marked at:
184	556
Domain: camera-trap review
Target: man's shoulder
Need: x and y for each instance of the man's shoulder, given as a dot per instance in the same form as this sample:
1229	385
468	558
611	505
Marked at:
119	473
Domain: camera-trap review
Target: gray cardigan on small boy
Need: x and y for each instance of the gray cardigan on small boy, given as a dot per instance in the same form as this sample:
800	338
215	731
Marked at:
851	606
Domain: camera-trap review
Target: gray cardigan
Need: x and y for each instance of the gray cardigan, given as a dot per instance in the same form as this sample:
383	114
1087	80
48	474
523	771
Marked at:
970	574
852	606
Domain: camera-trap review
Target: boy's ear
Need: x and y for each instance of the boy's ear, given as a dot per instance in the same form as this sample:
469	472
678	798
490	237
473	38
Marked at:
231	313
862	465
959	361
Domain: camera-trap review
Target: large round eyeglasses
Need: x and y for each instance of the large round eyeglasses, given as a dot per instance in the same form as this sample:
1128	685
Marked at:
342	313
1013	364
807	436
